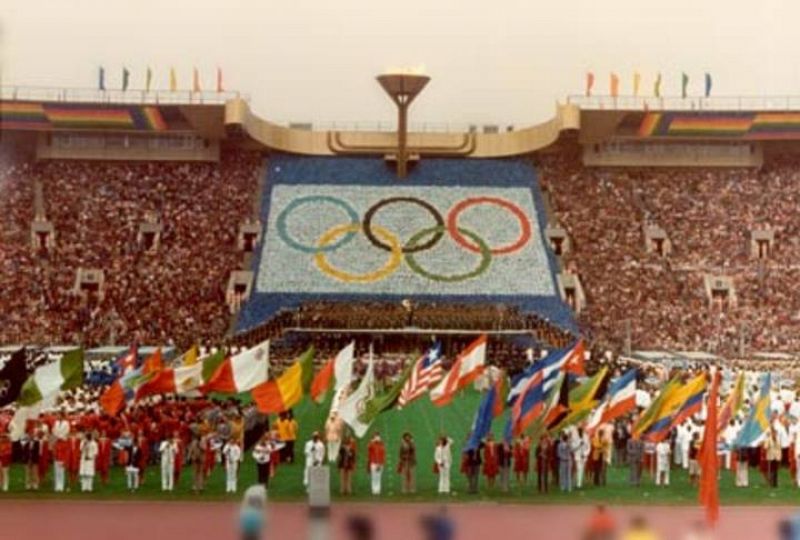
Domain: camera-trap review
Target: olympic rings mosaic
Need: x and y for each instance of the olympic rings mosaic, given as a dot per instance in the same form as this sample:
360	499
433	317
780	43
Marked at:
421	241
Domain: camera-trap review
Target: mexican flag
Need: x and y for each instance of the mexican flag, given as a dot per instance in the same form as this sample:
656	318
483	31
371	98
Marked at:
183	380
48	380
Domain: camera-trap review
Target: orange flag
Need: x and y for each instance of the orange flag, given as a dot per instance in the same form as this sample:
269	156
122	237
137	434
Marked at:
323	381
709	461
589	83
614	85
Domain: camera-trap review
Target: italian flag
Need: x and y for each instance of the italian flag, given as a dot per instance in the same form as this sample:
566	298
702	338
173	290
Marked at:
47	381
283	393
241	373
183	380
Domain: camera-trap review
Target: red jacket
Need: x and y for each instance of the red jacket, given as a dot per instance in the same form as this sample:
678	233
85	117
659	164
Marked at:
376	453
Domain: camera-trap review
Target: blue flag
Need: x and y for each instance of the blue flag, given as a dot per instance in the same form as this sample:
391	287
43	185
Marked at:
757	422
483	419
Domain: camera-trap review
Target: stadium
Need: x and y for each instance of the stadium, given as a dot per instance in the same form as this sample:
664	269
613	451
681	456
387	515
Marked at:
584	327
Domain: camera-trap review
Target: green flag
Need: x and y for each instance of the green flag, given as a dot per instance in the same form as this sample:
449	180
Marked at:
126	77
650	414
657	86
50	379
583	399
387	399
684	85
211	363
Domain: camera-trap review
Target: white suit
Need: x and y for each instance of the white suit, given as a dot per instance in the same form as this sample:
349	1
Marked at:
443	457
315	456
168	450
662	462
89	451
233	455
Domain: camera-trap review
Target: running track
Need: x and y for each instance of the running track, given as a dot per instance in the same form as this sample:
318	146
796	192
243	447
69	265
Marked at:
80	520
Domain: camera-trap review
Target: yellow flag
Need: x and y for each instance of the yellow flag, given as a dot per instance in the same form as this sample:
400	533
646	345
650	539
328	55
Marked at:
173	80
637	80
191	356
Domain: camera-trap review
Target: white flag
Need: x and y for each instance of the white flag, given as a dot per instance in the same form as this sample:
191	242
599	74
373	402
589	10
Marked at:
354	405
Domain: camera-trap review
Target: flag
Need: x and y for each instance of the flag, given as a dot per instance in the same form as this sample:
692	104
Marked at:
467	367
657	86
351	407
708	84
190	357
684	85
679	405
148	79
427	372
123	391
558	408
12	377
286	391
382	402
558	360
621	399
219	80
338	371
126	76
589	83
733	404
195	80
554	404
173	80
614	85
487	410
101	78
709	459
757	422
584	398
241	373
529	405
183	380
153	363
649	416
48	380
637	80
322	382
127	361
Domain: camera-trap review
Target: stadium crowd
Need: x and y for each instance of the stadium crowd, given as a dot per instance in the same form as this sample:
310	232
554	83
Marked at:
708	216
171	293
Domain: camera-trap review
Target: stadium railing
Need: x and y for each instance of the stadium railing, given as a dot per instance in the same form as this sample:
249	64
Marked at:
689	103
132	96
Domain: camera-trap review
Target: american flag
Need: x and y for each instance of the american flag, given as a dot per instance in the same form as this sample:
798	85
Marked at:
427	372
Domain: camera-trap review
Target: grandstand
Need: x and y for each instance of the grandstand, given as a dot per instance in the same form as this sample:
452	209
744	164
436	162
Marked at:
181	221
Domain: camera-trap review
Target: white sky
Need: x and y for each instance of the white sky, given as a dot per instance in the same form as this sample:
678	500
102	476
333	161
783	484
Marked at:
504	61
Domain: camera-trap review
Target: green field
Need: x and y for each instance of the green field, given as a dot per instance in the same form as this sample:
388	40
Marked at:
426	422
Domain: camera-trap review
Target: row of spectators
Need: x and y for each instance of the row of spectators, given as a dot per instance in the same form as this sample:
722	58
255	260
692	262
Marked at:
708	215
174	293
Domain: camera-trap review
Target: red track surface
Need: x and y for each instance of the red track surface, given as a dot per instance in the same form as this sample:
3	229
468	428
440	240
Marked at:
78	520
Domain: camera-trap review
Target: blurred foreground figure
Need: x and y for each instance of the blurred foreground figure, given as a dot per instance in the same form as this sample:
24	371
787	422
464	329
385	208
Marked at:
601	525
438	526
360	528
640	530
251	514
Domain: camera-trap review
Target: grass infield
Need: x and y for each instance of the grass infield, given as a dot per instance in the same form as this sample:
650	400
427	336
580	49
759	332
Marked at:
425	422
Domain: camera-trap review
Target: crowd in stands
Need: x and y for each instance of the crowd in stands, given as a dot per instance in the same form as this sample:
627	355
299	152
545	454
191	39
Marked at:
708	216
173	292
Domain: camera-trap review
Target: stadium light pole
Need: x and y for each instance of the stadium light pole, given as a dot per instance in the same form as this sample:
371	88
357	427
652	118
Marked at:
402	89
